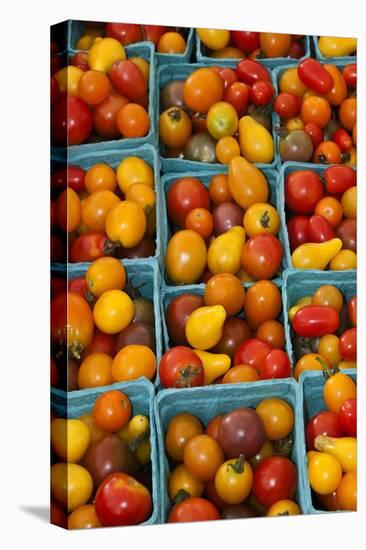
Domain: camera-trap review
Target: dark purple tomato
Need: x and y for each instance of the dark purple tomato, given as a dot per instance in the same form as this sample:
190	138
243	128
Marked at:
226	215
177	314
201	147
144	311
296	146
145	248
347	232
138	333
172	95
234	332
241	432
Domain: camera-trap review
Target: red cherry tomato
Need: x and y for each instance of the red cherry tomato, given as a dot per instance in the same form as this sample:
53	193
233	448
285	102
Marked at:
313	321
287	105
350	75
348	345
80	60
348	417
343	139
262	256
320	230
246	41
303	190
180	367
275	479
298	231
352	310
72	176
71	121
252	352
193	509
90	247
315	133
102	343
296	50
276	365
249	71
184	195
262	92
322	423
237	94
125	33
228	76
315	76
339	178
154	32
79	286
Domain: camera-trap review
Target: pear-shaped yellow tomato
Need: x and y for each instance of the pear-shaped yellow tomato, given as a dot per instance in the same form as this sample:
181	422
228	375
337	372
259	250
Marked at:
345	259
335	46
68	79
71	485
104	53
214	365
261	218
204	327
126	223
344	449
69	438
224	254
316	255
256	143
214	39
186	256
247	184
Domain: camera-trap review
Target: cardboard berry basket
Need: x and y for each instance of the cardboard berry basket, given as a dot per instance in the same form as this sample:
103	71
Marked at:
344	59
203	56
76	30
299	283
141	395
146	51
145	276
113	157
286	169
166	74
310	402
209	401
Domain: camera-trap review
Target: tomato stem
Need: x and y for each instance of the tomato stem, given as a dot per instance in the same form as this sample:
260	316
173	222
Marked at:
238	466
180	496
264	220
187	374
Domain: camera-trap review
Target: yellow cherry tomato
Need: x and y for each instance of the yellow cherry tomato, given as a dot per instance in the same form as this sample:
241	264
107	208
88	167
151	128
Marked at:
95	208
95	371
256	187
100	176
224	253
277	417
346	493
337	389
68	210
105	274
315	255
69	438
96	433
345	259
226	149
349	203
134	170
71	485
214	39
329	349
181	479
228	53
328	295
261	218
284	508
133	361
104	53
143	195
142	65
113	311
126	223
256	143
222	120
344	449
185	257
335	46
234	480
352	157
294	123
204	326
309	361
84	517
68	79
325	473
290	82
139	426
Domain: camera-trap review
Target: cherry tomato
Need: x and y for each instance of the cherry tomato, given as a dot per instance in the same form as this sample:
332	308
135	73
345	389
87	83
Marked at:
90	247
337	389
346	494
222	120
252	352
153	32
352	310
184	195
277	417
348	345
226	149
315	76
219	189
276	365
328	295
246	41
100	177
234	480
228	76
180	430
212	428
237	94
309	361
71	121
261	93
272	333
330	209
175	127
93	87
225	289
348	113
296	50
287	105
284	508
250	71
202	89
350	75
348	417
125	33
79	286
312	321
339	178
171	43
84	517
68	210
112	410
290	82
298	231
262	256
203	456
105	116
133	120
101	343
343	139
323	423
315	133
324	472
274	479
72	176
57	515
348	202
316	110
329	349
200	220
275	44
193	509
320	230
180	367
177	313
240	373
262	303
181	479
133	361
303	190
80	59
186	257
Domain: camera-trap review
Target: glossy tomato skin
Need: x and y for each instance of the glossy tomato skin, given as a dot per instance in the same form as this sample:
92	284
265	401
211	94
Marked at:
246	41
72	176
287	105
348	345
339	178
105	116
237	94
303	190
57	515
274	479
350	75
352	310
184	195
315	76
125	33
323	423
180	367
234	332
276	365
252	352
262	256
343	139
298	231
261	93
90	247
121	500
71	121
313	321
320	230
177	314
128	80
250	71
348	417
315	133
79	286
101	343
193	509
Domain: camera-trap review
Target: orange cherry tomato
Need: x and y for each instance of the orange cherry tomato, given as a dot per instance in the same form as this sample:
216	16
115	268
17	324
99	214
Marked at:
96	433
339	91
262	303
202	89
212	427
105	274
284	508
346	493
126	223
84	517
133	121
226	290
95	371
142	65
226	149
348	113
310	361
143	195
95	209
331	209
93	87
175	127
274	44
181	479
200	220
228	53
100	176
68	210
337	389
329	349
219	189
112	410
316	110
180	430
272	333
171	42
241	373
202	455
132	362
327	152
328	295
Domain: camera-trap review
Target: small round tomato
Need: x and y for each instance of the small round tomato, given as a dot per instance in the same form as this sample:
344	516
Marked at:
237	94
180	430
328	348
349	203
225	289
325	473
348	345
95	371
345	259
309	361
71	121
337	389
297	228
323	423
327	152
287	105
234	480
112	410
303	190
71	485
171	43
57	515
251	352
126	223
186	257
175	127
193	509
346	493
331	209
241	373
95	208
350	75
68	210
261	93
261	218
181	479
328	295
134	361
200	220
290	82
184	195
272	333
180	367
212	428
93	87
284	508
262	256
276	365
222	120
277	417
177	313
105	116
202	89
348	417
202	455
100	177
113	311
275	44
246	41
315	133
348	113
343	140
274	479
133	120
84	517
316	110
226	149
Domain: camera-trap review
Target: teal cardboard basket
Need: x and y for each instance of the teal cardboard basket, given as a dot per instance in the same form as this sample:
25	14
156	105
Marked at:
202	55
113	157
286	169
166	74
144	275
209	401
76	30
141	395
310	402
344	60
297	284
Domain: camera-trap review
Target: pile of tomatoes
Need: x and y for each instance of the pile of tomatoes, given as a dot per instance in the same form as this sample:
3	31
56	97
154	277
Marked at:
103	211
322	212
331	440
109	336
236	466
223	44
217	114
324	326
225	228
101	466
168	40
317	105
102	95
